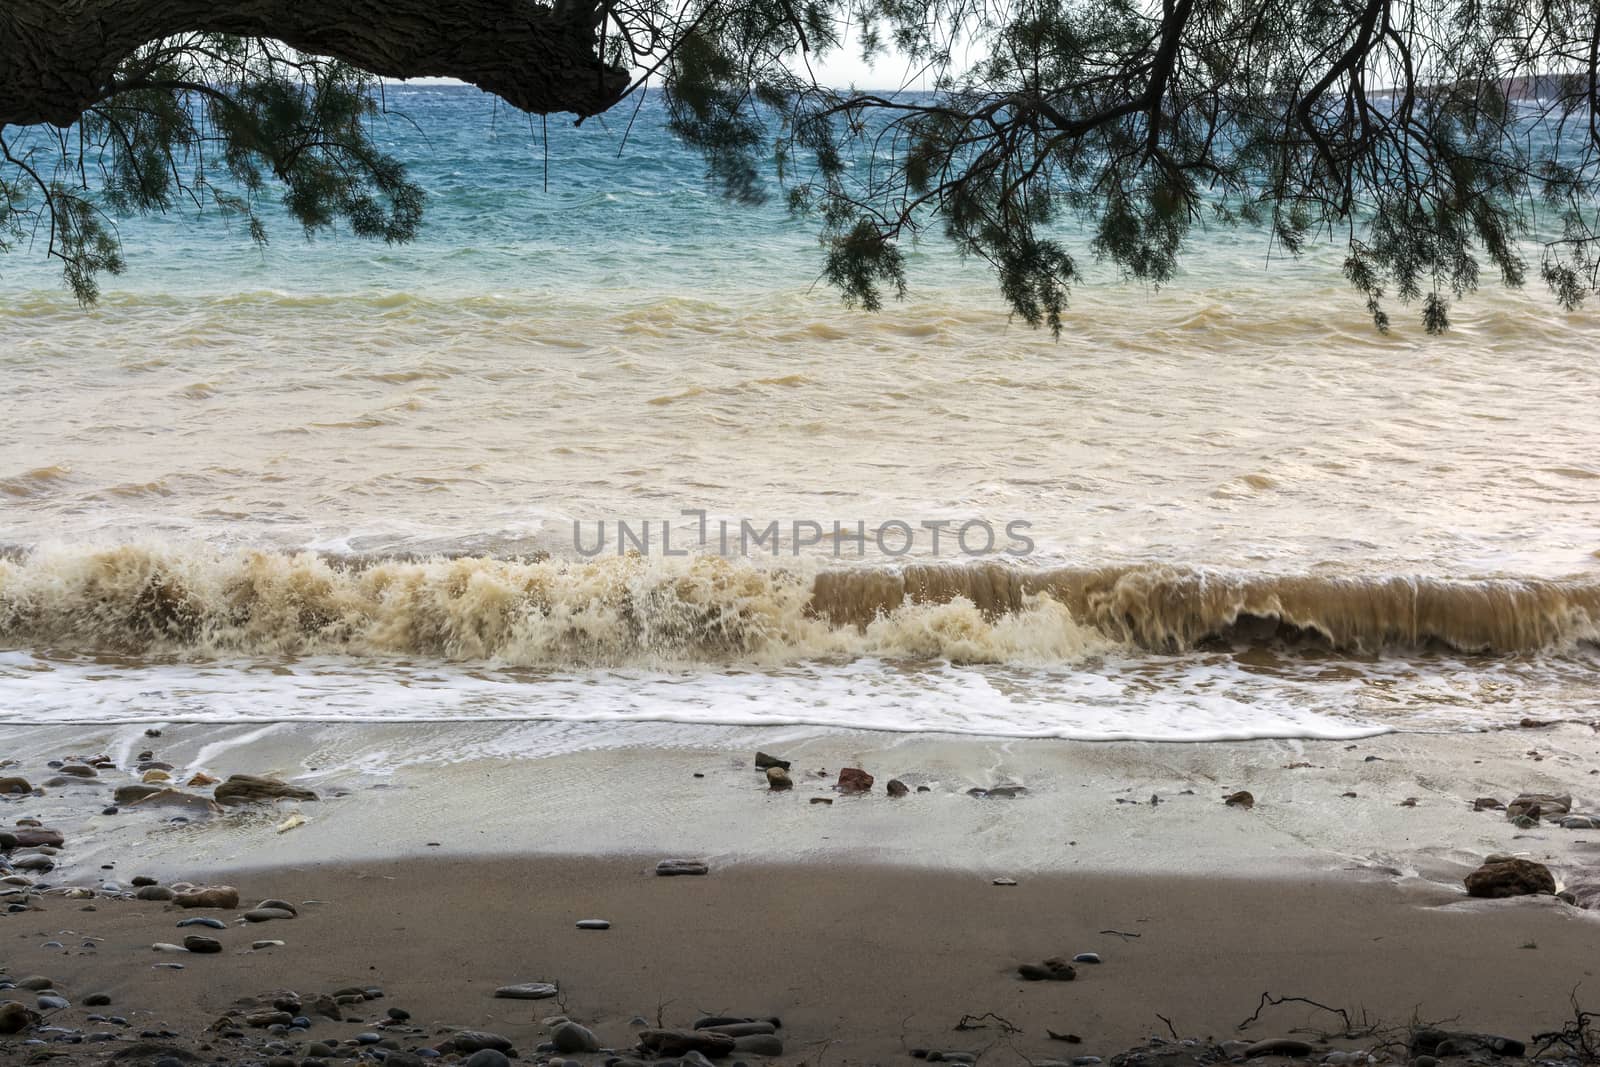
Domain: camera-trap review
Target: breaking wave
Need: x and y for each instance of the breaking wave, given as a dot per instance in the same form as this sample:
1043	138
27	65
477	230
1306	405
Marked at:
142	600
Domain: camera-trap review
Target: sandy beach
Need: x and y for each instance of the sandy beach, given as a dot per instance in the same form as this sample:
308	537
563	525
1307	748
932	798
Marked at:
869	925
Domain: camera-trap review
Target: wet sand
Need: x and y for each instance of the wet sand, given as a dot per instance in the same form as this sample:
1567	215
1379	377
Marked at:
861	963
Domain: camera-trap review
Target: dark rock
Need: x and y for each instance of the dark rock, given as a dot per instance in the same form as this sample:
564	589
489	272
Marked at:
155	892
203	920
484	1057
1052	970
263	1019
262	915
247	788
203	945
1487	804
1278	1046
399	1015
96	1000
279	905
1580	822
1006	792
38	837
47	1002
215	896
1539	805
854	780
470	1041
1432	1042
527	991
738	1029
593	924
895	788
681	1042
15	785
673	868
36	982
1086	957
570	1038
1242	799
79	770
14	1017
1510	878
326	1007
822	800
759	1044
764	762
778	779
140	880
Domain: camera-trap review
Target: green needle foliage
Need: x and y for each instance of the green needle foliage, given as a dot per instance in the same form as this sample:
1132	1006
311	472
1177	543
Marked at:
1429	140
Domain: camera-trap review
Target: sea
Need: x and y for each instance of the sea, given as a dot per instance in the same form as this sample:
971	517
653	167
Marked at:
601	446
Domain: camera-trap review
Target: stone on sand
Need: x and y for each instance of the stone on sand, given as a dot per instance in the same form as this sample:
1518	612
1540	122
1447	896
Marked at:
854	780
527	991
778	779
675	868
1510	877
213	896
682	1042
765	762
570	1038
248	788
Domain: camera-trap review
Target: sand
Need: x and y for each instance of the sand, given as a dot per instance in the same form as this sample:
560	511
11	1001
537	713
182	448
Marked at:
861	963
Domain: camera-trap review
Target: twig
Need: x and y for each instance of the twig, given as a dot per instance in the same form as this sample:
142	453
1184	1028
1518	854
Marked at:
1170	1028
975	1022
1268	1000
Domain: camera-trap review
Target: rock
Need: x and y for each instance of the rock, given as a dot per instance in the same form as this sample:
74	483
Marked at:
896	788
1487	804
326	1007
133	792
1510	878
1086	957
766	762
1242	799
778	779
155	892
265	915
79	770
740	1028
569	1038
1052	970
1004	881
399	1015
171	798
167	946
35	863
681	1042
673	868
1539	805
14	1017
139	881
759	1044
822	800
470	1041
1580	822
280	905
854	780
14	785
203	920
593	924
1439	1043
257	946
484	1057
215	896
527	991
38	837
96	1000
263	1019
35	982
49	1002
1278	1046
247	788
154	775
204	945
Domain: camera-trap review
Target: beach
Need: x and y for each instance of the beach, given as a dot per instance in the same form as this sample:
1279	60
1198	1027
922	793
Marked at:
869	924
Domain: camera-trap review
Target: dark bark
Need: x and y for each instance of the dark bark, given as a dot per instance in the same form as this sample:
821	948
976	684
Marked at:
59	57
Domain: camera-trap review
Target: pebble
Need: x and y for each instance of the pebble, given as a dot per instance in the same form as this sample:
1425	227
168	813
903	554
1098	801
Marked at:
569	1037
50	1003
822	800
257	946
593	924
368	1038
764	762
1005	881
673	868
203	920
196	943
487	1057
1086	957
96	1000
896	788
526	991
778	780
164	946
759	1044
399	1015
262	915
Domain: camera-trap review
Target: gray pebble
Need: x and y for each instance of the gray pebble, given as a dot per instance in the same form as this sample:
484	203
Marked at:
569	1037
487	1057
593	924
49	1003
203	920
526	991
1086	957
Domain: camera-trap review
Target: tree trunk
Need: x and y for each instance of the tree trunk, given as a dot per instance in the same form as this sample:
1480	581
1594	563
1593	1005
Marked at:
59	57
